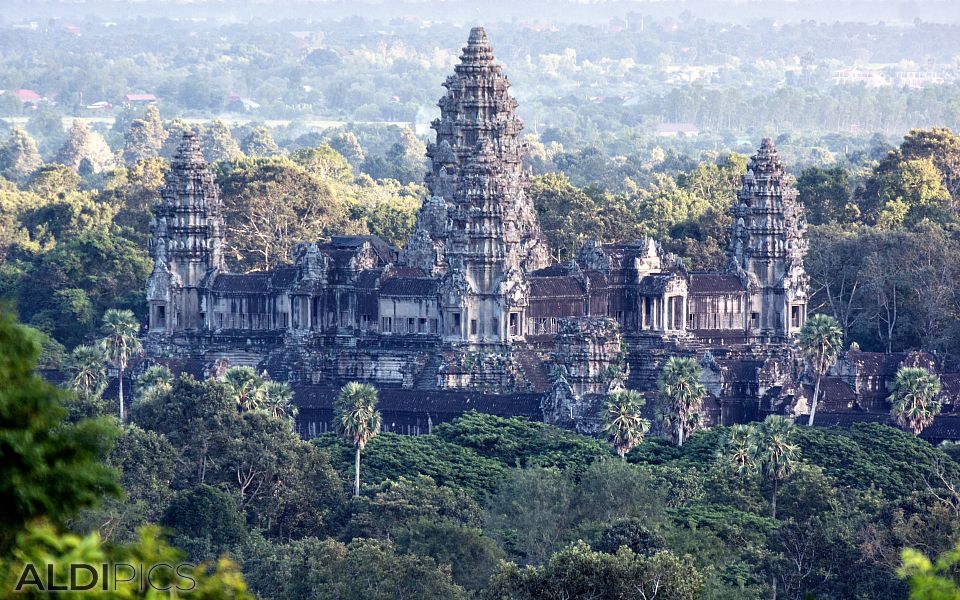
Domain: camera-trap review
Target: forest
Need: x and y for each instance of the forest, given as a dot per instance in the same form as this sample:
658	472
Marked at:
483	507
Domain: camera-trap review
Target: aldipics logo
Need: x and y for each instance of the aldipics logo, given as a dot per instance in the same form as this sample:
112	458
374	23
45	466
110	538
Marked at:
82	577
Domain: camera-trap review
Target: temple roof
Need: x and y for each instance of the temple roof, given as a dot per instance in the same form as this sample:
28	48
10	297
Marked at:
436	402
423	287
554	287
713	283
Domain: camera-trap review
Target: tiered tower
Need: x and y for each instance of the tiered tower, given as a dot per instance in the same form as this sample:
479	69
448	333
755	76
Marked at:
478	229
767	248
187	246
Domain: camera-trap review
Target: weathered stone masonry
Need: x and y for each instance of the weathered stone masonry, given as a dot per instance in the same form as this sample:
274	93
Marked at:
471	313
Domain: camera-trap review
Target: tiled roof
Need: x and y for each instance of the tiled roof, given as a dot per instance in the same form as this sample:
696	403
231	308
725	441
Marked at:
409	286
248	283
283	277
260	282
596	278
713	283
554	287
428	401
399	271
558	270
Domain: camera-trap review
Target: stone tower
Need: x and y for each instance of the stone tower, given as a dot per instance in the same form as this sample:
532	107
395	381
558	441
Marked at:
187	245
478	229
767	247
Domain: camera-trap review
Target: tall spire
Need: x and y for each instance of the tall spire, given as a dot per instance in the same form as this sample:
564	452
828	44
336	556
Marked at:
767	245
187	242
477	124
189	210
478	228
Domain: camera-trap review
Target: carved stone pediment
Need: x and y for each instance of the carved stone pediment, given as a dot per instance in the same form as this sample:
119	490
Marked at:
454	289
514	288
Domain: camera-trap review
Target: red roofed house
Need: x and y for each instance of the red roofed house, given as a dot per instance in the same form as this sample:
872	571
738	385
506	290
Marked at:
28	96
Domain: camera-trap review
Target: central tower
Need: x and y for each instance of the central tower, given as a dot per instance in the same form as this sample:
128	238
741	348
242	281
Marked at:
478	229
767	248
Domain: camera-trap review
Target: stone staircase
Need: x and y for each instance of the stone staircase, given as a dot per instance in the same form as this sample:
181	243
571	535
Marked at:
531	367
427	377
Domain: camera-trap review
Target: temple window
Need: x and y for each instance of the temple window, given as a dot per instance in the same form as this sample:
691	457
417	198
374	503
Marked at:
455	326
473	327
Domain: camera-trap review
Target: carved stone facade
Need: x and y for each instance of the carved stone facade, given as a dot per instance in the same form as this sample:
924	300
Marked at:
470	312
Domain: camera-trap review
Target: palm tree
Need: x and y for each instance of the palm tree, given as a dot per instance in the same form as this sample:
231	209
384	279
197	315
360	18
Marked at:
88	366
914	398
277	399
120	343
681	395
357	419
623	424
738	450
155	381
243	383
820	339
774	455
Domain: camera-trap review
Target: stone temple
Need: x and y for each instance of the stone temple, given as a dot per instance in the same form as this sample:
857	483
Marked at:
471	313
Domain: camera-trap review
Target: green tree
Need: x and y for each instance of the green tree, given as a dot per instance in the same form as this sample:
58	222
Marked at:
578	572
931	580
243	384
259	142
277	399
144	137
775	454
156	380
88	380
206	521
325	163
85	151
120	343
357	419
623	425
218	143
821	339
739	453
272	204
51	469
681	395
19	156
361	570
913	398
348	146
825	194
51	180
198	418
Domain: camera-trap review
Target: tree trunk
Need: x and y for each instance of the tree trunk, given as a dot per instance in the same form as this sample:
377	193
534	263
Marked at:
679	432
773	501
122	414
813	406
356	481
